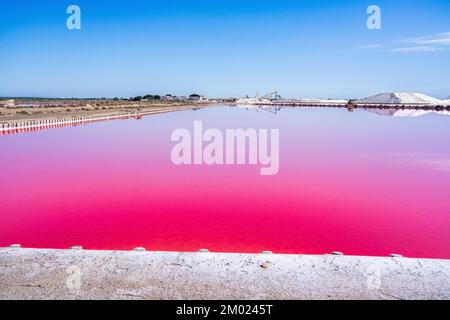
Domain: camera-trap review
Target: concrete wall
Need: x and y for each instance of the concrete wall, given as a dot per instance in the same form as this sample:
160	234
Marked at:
78	274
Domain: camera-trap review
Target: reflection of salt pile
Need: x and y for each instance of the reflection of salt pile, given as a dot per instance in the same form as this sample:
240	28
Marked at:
406	113
401	98
399	113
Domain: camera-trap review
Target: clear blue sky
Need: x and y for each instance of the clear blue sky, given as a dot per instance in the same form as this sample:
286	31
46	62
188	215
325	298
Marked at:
314	48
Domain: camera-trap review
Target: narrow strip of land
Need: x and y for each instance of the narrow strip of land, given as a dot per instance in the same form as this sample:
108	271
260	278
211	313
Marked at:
15	115
79	274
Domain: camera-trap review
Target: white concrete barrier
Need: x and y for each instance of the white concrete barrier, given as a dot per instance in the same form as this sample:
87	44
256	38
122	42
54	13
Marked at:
49	274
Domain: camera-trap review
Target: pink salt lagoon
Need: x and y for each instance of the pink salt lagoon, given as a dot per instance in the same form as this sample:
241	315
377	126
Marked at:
360	183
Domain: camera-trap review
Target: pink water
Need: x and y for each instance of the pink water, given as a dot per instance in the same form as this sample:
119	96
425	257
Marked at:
357	182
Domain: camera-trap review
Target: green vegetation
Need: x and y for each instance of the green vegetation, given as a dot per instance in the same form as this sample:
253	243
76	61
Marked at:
146	97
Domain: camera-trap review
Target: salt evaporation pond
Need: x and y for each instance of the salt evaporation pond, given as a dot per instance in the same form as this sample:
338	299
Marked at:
361	183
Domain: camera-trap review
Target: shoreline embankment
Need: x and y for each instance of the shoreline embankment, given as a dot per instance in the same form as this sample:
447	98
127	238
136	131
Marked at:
19	124
139	274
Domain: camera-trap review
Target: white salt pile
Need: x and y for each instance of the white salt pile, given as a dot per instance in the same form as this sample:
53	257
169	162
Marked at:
402	98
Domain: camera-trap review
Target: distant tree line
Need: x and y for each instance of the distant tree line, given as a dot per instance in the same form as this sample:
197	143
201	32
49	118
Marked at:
137	98
146	97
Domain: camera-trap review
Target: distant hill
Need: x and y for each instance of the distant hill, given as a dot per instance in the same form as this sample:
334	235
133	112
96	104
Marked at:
401	98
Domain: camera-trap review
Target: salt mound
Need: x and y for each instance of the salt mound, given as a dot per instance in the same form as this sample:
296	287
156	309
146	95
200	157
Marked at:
401	98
